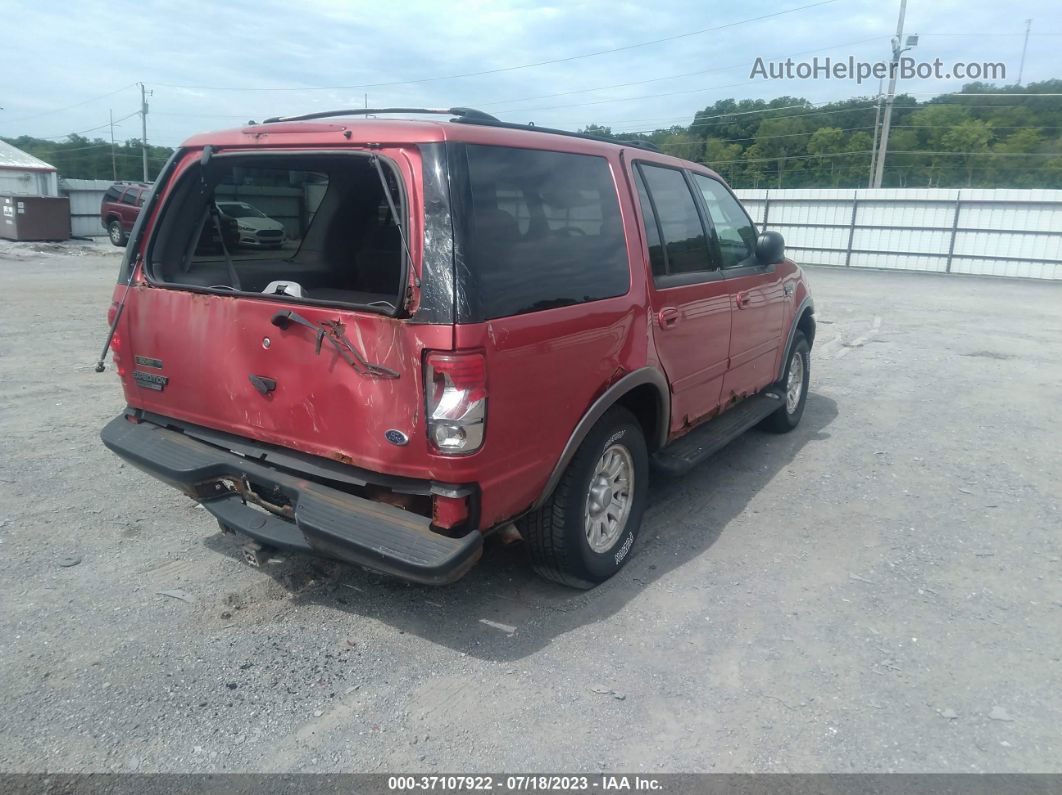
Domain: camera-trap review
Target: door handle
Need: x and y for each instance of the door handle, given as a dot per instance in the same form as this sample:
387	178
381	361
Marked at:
668	317
742	299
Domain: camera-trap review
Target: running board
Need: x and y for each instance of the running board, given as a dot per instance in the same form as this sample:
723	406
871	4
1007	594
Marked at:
686	452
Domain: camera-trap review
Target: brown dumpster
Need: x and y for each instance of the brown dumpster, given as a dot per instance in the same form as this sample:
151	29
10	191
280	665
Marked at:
34	218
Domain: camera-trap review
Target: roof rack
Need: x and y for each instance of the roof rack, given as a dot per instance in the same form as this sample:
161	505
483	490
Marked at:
465	116
462	114
490	121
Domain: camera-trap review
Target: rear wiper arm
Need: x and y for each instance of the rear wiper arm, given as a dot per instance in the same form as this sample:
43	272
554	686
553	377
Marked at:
346	351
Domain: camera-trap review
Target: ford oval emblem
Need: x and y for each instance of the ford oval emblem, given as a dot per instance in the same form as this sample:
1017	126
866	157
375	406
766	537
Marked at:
396	437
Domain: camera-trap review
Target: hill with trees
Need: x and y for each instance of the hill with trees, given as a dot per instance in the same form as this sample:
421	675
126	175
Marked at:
82	158
989	137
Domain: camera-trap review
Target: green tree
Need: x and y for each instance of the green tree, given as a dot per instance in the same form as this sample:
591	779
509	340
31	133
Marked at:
81	158
783	139
723	157
967	140
683	144
597	129
828	143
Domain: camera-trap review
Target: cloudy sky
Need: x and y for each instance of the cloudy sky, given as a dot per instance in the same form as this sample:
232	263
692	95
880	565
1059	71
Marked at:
216	64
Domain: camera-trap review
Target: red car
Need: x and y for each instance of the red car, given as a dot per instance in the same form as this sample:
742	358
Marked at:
119	208
121	205
473	323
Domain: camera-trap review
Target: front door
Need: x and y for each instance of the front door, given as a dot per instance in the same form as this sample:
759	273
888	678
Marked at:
690	299
757	297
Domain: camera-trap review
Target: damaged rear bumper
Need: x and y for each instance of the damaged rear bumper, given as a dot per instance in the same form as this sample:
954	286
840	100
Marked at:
293	512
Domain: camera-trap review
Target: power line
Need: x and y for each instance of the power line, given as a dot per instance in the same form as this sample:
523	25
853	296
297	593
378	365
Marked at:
744	82
743	65
90	129
68	107
982	35
981	154
499	70
708	119
868	151
853	129
627	99
978	94
787	157
78	148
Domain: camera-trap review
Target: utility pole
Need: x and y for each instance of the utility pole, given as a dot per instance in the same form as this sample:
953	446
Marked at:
1024	47
143	127
114	161
898	49
874	148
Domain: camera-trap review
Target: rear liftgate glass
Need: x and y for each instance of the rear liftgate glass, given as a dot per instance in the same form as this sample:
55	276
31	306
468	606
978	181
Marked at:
316	228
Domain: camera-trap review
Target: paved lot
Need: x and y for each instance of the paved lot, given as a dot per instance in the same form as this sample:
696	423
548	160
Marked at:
878	591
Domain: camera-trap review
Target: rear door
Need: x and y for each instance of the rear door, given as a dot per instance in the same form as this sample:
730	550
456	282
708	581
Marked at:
207	355
758	300
690	299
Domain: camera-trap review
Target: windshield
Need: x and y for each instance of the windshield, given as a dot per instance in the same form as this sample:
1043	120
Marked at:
240	210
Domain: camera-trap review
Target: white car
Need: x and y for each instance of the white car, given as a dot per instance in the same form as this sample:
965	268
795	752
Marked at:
257	230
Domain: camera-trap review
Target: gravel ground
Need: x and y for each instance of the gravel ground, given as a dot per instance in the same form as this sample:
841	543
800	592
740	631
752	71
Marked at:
878	591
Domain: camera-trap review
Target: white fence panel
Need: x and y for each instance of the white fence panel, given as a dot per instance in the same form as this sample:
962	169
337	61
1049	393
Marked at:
85	197
1015	233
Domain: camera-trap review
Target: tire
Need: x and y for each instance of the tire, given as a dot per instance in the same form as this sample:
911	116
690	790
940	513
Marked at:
114	231
556	534
788	416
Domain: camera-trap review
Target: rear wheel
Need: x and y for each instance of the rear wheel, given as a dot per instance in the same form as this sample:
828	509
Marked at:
794	384
114	231
585	531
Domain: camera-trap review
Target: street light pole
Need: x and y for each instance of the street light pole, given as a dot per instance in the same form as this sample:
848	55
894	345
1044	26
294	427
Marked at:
897	50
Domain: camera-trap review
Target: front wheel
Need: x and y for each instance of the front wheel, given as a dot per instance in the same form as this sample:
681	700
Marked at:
794	384
585	531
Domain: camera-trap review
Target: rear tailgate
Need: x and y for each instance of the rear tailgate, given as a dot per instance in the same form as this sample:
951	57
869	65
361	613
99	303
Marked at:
219	360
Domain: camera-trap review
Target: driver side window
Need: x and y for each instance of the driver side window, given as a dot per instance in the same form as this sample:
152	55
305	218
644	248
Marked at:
737	236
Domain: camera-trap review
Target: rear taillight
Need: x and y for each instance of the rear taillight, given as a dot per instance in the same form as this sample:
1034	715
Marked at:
456	386
116	340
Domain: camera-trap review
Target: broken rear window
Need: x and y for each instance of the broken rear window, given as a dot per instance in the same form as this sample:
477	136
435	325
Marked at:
306	227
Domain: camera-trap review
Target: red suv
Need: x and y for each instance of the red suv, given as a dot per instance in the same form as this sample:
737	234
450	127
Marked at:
119	208
470	323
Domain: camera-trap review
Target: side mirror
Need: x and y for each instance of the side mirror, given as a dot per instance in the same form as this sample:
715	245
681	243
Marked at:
770	248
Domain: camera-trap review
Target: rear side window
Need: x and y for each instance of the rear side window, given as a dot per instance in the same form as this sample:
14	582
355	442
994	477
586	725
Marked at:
111	194
543	230
130	196
652	229
685	242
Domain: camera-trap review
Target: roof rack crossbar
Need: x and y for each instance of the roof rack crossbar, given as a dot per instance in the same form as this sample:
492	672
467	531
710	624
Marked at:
462	114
